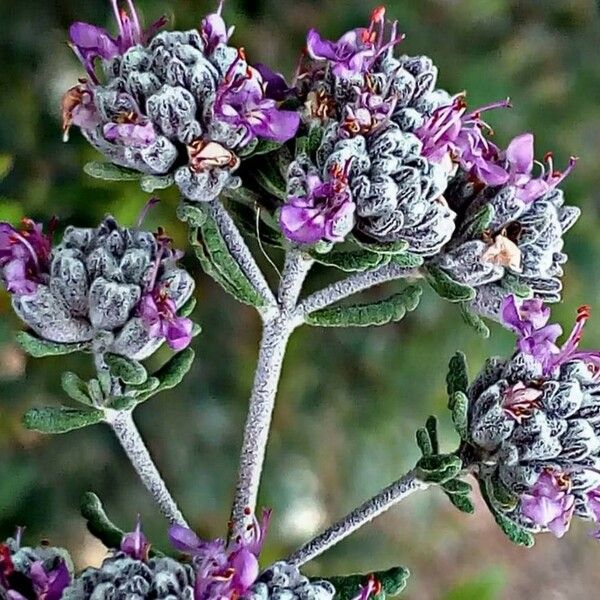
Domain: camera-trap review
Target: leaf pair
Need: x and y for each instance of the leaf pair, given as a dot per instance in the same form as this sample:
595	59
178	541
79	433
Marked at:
392	582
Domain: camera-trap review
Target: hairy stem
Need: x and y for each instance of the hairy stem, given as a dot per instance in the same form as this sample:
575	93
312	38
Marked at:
276	333
133	444
366	512
240	251
352	285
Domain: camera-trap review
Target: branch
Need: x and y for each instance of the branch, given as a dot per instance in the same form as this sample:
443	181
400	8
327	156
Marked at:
296	268
239	250
352	285
383	501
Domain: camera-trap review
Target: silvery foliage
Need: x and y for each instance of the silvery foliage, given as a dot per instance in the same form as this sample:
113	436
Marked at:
24	557
173	82
563	434
97	277
398	193
536	228
123	578
283	581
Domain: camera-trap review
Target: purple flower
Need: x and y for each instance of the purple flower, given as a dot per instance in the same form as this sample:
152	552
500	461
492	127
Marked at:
275	85
369	111
214	31
326	212
550	503
90	42
135	544
223	570
454	133
78	108
242	101
520	401
520	158
159	314
131	130
24	256
538	339
356	51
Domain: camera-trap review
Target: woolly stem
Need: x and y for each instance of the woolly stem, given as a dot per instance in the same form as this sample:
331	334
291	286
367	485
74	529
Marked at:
366	512
128	435
352	285
297	265
240	251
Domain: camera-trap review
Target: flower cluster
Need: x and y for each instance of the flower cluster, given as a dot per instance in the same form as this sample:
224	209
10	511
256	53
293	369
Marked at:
223	569
509	237
534	423
40	573
108	280
161	92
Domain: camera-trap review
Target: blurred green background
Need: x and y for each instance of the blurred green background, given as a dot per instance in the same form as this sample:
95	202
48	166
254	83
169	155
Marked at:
349	401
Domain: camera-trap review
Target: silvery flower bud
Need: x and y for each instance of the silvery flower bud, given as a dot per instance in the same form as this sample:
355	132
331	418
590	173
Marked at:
123	577
283	581
103	282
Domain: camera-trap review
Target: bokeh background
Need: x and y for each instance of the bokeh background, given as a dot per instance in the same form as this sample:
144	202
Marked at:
349	401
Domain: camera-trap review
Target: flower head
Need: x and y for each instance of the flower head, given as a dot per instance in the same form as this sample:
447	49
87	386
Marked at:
453	132
356	51
24	256
549	503
223	570
325	212
90	42
520	158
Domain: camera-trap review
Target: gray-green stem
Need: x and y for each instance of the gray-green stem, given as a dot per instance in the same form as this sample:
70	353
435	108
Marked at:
365	513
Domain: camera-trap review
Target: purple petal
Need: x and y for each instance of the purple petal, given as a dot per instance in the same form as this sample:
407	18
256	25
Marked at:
245	566
276	86
302	225
135	544
179	333
532	190
277	125
184	540
520	153
318	48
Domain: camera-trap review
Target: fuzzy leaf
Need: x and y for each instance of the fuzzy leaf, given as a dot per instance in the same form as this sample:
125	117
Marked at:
479	223
268	176
431	427
245	217
351	261
474	320
171	374
223	267
39	348
408	260
424	442
122	403
459	405
379	313
439	468
315	137
458	493
446	287
393	581
457	379
383	248
76	388
110	172
130	372
95	391
191	214
150	183
188	308
514	532
98	524
462	503
145	389
265	147
60	420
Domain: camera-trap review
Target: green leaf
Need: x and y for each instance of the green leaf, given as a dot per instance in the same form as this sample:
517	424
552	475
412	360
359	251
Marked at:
424	442
457	379
383	248
191	214
459	405
76	388
39	348
98	524
171	374
265	147
479	223
446	287
245	217
147	387
379	313
408	260
462	503
351	261
431	427
458	493
150	183
439	468
514	285
188	308
393	581
60	420
95	391
215	258
315	137
123	403
514	532
474	320
110	172
268	176
130	372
